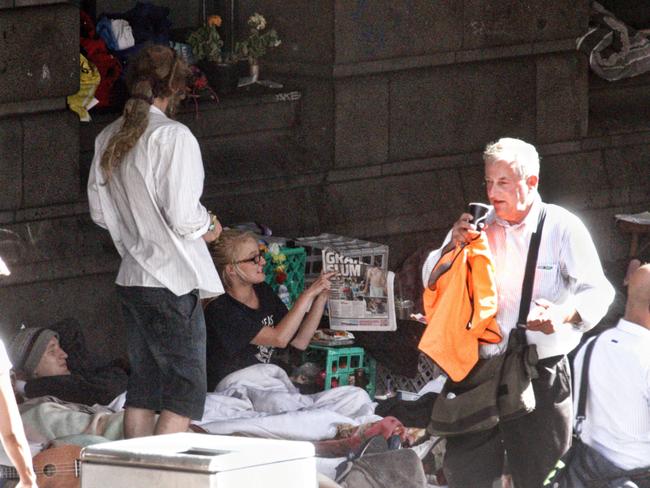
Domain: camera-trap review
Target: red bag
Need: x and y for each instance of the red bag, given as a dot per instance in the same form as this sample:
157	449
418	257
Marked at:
96	51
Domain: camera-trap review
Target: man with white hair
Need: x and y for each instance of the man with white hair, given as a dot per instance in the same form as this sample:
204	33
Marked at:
570	295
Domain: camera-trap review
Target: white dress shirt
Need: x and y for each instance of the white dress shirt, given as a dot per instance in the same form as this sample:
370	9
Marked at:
152	210
568	273
618	403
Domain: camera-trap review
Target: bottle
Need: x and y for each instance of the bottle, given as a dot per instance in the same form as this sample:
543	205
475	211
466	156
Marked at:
360	378
283	294
320	379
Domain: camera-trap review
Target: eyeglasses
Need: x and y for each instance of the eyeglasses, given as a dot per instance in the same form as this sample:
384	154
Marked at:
255	259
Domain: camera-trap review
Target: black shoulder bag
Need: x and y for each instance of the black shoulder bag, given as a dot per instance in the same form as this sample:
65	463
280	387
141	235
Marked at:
582	466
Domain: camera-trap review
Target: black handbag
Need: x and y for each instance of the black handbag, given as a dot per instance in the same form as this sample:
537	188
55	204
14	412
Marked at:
582	466
499	388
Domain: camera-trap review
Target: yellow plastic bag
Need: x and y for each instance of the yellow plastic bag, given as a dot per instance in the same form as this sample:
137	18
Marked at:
84	99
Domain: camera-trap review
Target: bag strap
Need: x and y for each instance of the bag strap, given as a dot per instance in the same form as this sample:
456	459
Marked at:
581	413
529	275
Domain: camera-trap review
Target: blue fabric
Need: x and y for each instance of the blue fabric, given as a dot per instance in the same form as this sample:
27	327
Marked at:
149	23
105	31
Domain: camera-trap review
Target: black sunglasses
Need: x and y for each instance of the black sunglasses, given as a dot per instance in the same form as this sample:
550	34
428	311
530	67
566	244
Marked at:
255	259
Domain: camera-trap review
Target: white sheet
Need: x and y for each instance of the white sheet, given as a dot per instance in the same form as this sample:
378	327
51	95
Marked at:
261	401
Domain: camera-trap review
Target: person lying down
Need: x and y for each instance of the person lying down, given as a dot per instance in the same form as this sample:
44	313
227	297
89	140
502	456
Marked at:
43	368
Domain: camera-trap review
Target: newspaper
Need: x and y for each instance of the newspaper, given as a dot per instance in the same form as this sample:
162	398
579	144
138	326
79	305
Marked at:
361	297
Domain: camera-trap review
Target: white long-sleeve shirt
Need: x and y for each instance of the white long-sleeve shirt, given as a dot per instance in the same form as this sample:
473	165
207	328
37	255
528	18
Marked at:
617	420
152	210
568	273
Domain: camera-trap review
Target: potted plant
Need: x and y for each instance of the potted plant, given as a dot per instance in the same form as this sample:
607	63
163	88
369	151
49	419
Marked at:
206	44
257	43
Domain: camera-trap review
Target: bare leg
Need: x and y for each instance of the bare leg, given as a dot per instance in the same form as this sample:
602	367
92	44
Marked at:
138	422
170	422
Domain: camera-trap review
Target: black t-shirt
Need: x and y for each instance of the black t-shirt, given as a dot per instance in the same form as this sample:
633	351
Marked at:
231	326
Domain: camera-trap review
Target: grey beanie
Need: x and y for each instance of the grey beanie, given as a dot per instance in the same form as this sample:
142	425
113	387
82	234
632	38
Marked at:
27	348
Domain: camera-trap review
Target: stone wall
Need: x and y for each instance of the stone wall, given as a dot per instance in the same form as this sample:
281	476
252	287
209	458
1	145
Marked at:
377	134
43	218
62	263
400	97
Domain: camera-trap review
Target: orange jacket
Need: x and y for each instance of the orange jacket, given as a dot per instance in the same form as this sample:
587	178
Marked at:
461	309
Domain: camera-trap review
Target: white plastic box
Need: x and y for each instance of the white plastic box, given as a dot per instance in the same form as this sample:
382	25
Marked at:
371	253
190	460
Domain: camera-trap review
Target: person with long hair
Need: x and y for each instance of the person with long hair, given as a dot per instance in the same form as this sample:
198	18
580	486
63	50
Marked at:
145	185
248	322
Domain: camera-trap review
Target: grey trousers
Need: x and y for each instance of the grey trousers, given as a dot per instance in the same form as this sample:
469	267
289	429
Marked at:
532	443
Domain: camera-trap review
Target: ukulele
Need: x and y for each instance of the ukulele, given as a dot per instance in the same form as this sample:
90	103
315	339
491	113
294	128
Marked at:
57	467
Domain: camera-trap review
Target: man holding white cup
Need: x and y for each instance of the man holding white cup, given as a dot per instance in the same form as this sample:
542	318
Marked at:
570	295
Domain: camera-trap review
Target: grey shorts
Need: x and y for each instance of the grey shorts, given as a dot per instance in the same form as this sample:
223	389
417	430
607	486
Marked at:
166	346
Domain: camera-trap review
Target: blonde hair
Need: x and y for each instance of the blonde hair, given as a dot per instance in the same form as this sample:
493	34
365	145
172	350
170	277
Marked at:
224	251
157	72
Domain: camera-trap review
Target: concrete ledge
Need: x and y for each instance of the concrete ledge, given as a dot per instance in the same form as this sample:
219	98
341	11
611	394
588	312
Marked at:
41	213
275	110
424	61
262	185
32	106
22	274
34	3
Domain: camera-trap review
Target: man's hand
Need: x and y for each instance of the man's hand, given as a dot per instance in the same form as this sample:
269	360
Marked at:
213	235
546	317
463	230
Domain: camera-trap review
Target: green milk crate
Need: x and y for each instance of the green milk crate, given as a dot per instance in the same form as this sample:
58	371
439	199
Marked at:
294	268
341	363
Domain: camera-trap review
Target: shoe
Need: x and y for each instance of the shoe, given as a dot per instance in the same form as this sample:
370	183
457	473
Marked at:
394	442
374	445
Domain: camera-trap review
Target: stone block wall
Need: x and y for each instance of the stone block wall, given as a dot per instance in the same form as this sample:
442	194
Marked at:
39	52
412	91
377	135
44	227
39	66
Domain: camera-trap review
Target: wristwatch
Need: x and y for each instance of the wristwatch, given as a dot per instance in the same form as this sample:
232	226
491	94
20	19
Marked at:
213	221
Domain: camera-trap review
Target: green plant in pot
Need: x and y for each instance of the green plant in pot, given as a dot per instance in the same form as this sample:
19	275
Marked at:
206	44
258	42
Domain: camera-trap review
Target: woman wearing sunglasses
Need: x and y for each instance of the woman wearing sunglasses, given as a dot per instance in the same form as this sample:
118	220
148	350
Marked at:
247	323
